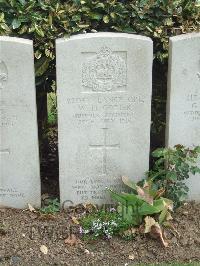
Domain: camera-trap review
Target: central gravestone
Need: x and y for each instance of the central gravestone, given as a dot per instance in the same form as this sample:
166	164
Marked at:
104	113
19	156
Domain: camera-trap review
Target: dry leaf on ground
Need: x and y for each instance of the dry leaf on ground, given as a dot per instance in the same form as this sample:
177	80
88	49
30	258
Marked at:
46	217
44	249
31	209
144	194
74	219
72	240
86	251
149	222
153	227
131	257
89	207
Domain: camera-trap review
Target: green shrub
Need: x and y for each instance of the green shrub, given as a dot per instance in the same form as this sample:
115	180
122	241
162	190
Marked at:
45	20
171	168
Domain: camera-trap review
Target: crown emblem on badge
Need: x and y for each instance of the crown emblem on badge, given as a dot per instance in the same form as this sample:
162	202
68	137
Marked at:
105	71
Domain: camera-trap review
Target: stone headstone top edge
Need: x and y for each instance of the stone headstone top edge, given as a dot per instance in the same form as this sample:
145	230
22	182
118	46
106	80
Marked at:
184	36
16	39
104	35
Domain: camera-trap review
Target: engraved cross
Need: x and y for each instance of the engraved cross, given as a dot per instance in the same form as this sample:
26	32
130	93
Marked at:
104	147
198	73
3	151
3	74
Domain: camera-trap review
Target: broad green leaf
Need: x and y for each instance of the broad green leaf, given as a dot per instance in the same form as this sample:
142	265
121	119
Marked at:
129	182
95	16
158	152
132	199
113	15
39	31
100	5
147	209
172	175
106	19
23	2
162	203
118	197
16	24
41	66
38	54
162	216
127	214
1	17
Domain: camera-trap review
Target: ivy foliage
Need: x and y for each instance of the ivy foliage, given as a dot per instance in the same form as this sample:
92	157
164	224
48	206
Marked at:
43	21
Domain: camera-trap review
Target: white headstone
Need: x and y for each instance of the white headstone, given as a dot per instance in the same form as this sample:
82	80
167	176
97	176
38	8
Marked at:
104	113
183	115
19	158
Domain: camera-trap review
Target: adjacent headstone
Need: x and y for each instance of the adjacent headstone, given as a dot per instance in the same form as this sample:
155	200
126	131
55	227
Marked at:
19	158
104	113
183	122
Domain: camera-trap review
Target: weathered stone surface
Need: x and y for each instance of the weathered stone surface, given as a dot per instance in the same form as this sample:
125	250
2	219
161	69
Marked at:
183	115
104	113
19	158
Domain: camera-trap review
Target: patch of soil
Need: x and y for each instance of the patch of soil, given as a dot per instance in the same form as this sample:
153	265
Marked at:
22	233
49	165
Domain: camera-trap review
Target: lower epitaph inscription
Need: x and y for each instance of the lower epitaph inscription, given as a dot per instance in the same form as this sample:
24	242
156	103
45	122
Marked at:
10	193
94	189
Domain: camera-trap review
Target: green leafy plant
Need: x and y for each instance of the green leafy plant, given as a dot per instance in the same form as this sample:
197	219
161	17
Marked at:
144	206
52	207
170	170
142	201
133	210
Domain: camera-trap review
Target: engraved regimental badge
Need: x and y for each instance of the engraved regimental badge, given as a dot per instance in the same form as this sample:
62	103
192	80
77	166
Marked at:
3	74
106	71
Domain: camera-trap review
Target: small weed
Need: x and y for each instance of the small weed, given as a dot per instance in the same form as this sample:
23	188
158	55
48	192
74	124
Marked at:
3	229
52	207
103	223
52	108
